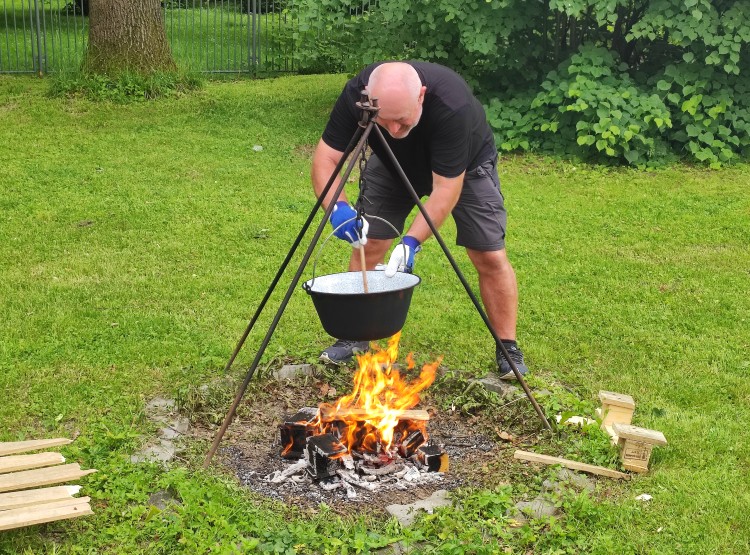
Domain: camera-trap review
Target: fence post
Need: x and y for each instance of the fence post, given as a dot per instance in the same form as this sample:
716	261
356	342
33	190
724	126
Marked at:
254	54
39	53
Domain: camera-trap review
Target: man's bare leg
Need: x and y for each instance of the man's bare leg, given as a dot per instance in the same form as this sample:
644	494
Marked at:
375	250
499	292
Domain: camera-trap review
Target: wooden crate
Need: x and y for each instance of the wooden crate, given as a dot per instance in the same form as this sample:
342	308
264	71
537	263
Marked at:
636	444
616	407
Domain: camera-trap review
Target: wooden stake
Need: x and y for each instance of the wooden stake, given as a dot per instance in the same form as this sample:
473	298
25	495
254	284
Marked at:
25	462
41	477
43	513
13	447
364	268
18	499
575	465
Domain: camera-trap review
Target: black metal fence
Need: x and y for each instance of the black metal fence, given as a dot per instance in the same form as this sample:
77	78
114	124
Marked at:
252	37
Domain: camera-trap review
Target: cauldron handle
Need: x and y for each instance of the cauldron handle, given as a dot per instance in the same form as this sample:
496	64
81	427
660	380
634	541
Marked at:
307	286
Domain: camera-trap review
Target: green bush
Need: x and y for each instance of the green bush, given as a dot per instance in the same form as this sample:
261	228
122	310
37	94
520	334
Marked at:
589	107
623	81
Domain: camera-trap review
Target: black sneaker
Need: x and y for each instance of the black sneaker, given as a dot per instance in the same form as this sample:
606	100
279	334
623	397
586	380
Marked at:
516	355
343	350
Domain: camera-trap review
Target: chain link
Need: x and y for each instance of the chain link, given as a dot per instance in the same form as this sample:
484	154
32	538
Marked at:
362	181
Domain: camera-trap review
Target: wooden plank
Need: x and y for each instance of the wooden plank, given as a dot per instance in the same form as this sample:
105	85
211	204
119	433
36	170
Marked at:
39	514
616	399
13	447
14	463
41	477
360	414
26	498
645	435
66	502
575	465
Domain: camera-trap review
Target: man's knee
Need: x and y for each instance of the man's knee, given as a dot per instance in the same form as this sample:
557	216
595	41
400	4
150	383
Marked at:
375	250
490	262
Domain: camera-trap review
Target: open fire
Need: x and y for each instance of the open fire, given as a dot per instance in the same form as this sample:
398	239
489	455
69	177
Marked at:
372	433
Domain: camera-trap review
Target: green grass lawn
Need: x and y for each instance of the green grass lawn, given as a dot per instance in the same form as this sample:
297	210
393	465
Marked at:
137	240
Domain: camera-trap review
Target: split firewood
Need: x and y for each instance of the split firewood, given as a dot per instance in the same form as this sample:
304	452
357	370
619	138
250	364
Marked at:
41	477
26	498
503	435
39	514
381	471
355	413
13	447
14	463
351	478
279	477
575	465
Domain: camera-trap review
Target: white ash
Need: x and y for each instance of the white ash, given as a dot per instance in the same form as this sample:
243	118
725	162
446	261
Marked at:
397	475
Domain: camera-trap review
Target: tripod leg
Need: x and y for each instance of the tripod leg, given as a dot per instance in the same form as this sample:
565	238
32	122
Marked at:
361	145
461	277
293	249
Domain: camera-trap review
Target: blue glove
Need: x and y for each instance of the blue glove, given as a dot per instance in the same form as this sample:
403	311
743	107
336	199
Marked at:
402	257
353	231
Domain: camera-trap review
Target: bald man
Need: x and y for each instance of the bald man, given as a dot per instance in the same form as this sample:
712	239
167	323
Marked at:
439	134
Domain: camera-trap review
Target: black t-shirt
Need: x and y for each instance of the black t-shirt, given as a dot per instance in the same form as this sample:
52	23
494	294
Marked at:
452	135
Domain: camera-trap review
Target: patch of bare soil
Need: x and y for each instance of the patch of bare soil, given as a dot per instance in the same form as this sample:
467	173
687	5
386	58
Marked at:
476	447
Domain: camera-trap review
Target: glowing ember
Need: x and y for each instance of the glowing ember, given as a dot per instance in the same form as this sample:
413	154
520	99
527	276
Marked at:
370	418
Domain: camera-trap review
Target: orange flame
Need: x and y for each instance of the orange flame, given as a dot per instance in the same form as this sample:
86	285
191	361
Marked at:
367	418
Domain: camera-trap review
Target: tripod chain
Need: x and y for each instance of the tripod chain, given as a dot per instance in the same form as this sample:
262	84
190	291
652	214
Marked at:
362	183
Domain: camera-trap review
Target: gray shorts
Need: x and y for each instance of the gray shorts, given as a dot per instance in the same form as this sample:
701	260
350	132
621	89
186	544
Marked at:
479	214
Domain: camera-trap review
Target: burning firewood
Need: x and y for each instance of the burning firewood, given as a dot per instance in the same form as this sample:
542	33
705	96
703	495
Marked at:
322	451
433	457
369	436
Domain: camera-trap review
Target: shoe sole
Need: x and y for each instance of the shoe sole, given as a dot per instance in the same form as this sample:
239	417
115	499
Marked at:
324	358
508	376
327	360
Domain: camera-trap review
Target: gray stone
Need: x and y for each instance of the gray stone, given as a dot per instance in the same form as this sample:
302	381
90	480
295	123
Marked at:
175	429
160	405
566	477
292	371
406	514
579	482
162	499
164	451
496	385
393	549
536	508
168	433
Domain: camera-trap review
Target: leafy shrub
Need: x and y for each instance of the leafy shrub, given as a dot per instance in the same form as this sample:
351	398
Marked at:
712	112
589	107
623	81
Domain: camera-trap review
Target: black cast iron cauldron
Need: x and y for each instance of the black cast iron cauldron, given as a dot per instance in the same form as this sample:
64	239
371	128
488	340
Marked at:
347	312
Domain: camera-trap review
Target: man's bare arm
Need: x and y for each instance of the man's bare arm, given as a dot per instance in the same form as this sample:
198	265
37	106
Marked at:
324	163
445	194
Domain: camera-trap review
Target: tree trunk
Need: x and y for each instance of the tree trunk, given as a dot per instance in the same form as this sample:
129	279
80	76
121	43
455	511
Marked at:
127	35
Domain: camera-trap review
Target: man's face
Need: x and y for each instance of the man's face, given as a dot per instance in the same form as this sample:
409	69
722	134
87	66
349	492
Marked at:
399	114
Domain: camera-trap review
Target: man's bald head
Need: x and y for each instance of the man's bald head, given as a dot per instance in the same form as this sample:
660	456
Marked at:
400	93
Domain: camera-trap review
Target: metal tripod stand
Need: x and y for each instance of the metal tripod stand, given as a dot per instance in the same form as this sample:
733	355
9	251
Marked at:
355	148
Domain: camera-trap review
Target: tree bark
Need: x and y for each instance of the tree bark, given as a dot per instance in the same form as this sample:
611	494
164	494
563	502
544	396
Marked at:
127	35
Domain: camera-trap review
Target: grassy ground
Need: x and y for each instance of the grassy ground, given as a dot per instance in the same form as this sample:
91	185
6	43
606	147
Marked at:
136	241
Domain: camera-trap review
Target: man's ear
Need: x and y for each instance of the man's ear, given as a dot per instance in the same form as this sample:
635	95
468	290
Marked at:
422	92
